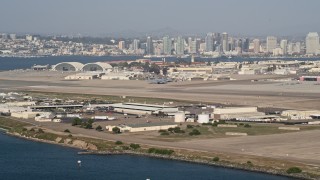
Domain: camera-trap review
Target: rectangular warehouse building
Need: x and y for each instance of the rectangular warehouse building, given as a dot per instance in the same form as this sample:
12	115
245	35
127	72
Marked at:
142	109
235	112
143	127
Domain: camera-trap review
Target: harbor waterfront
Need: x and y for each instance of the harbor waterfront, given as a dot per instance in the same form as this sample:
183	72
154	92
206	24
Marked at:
35	160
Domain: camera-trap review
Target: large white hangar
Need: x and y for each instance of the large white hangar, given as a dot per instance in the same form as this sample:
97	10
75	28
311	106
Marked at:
68	66
98	66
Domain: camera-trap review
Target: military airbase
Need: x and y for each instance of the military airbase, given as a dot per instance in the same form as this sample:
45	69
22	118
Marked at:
299	102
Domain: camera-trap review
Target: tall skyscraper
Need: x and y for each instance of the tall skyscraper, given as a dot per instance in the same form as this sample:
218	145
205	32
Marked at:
238	45
194	46
209	42
217	39
312	43
284	46
271	43
122	45
180	46
256	46
231	44
245	45
149	46
167	45
297	47
290	48
136	44
225	42
189	44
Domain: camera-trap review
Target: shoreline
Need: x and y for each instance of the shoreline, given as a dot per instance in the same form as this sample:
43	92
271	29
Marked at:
220	164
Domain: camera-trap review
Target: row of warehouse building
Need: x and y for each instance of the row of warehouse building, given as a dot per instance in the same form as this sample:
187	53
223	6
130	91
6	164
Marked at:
222	113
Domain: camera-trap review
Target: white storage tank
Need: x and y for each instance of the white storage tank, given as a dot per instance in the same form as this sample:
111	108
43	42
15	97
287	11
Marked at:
179	117
203	118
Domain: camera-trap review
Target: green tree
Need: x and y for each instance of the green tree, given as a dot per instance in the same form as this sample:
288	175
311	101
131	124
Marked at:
99	128
76	121
40	130
292	170
88	126
160	151
164	134
249	163
116	130
135	146
195	132
216	159
90	121
189	126
118	142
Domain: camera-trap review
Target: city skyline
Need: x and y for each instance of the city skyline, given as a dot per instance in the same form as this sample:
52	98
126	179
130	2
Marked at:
98	18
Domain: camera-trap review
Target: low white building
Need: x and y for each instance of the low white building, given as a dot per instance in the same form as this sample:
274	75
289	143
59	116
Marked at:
44	117
112	76
235	112
84	76
143	127
4	108
314	70
22	103
24	115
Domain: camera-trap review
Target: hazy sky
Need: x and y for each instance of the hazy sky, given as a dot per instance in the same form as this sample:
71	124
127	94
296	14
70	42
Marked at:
98	17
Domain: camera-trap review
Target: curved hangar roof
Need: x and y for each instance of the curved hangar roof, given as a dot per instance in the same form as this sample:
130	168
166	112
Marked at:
69	66
98	66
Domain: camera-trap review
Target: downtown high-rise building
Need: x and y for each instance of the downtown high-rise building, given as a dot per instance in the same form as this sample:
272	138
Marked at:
238	43
271	44
167	45
180	46
136	44
194	45
245	45
149	47
256	46
312	43
297	48
225	42
122	45
189	44
209	41
284	46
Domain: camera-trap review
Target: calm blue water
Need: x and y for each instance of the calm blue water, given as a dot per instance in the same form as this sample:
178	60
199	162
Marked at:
10	63
21	159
